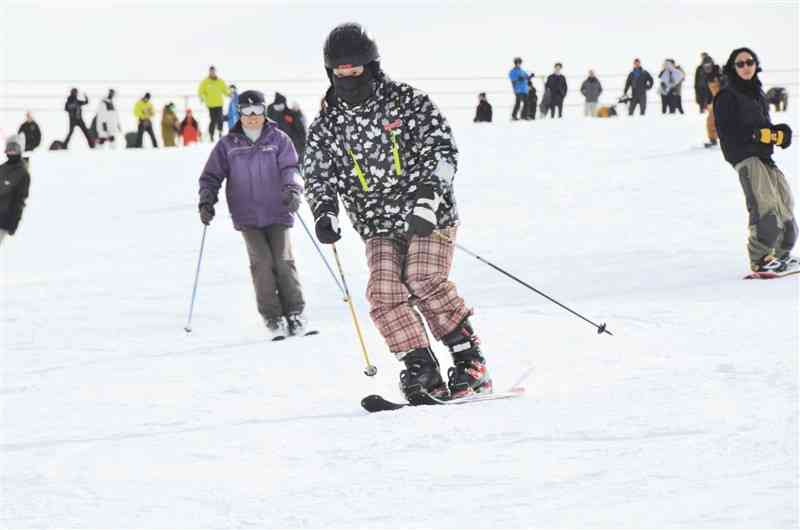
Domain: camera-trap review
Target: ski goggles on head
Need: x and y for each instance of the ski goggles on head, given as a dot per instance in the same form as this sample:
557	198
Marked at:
253	110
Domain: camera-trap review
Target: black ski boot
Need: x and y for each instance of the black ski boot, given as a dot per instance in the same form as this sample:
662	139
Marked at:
422	375
469	375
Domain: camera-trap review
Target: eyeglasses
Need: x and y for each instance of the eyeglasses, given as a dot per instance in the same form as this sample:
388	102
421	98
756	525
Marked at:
748	62
253	110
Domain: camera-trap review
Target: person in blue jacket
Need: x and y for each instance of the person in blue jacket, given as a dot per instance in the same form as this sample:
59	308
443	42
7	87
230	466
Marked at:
233	108
519	82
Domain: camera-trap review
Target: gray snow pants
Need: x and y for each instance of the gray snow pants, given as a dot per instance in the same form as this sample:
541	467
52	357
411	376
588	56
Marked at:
278	290
770	205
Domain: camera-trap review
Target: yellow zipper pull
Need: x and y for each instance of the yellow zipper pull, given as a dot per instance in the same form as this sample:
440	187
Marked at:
398	169
359	173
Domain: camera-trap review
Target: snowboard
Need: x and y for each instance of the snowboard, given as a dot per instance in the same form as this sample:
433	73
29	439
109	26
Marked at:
376	403
770	275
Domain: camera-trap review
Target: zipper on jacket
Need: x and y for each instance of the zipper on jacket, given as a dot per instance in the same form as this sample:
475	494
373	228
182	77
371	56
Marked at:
359	173
398	168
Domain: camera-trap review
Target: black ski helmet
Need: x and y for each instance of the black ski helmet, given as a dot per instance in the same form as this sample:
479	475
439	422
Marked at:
251	97
349	43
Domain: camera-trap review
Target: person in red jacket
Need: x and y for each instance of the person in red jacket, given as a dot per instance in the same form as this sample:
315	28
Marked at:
189	130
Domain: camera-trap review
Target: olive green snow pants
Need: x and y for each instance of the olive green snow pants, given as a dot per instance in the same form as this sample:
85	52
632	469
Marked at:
773	229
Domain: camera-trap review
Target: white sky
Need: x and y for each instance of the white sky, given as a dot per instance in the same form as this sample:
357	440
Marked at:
267	40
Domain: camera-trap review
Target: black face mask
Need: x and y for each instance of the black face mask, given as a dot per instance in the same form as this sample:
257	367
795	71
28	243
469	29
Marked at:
354	90
14	158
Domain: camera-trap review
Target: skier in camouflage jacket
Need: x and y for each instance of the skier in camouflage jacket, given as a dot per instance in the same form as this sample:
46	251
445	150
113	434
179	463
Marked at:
386	150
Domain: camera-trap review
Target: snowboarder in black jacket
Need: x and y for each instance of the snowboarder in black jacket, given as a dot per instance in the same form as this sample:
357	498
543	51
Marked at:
33	135
639	81
747	137
388	153
483	113
14	184
557	84
73	108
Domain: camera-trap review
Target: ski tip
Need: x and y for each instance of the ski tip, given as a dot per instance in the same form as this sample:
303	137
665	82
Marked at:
376	403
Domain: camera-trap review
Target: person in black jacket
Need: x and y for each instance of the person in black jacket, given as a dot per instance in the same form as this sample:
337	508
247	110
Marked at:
639	81
701	93
747	137
289	120
73	108
14	184
33	135
557	84
483	113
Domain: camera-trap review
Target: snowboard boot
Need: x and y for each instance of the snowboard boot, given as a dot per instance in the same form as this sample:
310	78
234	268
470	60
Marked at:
769	263
710	143
422	375
277	328
469	375
790	263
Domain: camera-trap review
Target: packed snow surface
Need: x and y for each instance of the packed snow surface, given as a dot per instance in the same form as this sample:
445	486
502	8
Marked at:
114	417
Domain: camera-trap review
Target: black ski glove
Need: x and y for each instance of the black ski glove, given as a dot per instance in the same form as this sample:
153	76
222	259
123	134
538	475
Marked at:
422	219
787	134
206	213
327	228
291	199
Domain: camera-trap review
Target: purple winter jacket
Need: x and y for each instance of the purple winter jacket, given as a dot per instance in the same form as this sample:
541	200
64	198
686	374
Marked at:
258	174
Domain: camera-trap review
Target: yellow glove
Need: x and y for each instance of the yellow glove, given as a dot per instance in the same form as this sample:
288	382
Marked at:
770	136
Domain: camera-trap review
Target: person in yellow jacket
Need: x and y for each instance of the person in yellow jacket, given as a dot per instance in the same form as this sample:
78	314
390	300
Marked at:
212	91
169	125
144	112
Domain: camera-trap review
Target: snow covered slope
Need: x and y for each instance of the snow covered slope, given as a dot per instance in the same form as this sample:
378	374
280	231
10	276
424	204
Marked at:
113	417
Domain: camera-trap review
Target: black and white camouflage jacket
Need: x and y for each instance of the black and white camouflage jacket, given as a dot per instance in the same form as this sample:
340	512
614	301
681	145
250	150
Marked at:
375	155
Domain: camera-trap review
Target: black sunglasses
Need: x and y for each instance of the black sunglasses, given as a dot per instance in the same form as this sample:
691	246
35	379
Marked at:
748	62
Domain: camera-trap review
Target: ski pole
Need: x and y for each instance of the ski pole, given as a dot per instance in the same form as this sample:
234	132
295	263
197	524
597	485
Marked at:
324	260
600	328
188	327
370	369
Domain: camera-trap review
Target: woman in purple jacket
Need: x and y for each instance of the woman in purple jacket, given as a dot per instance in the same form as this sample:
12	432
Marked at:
263	191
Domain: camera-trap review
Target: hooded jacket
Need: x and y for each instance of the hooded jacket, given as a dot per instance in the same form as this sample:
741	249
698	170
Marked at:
374	156
740	108
257	175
